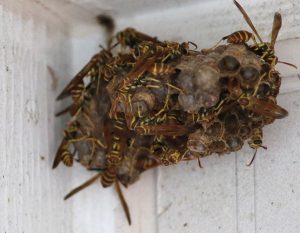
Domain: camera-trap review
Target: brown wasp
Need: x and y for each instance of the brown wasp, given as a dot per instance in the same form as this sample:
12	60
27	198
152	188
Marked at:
146	63
263	49
63	153
116	150
266	52
256	142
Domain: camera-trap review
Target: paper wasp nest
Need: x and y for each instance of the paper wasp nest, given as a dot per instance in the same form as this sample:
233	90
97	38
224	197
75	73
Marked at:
162	102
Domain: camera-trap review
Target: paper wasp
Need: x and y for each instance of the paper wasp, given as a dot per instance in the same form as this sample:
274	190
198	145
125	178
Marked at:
262	49
256	142
63	153
116	150
266	53
147	63
97	60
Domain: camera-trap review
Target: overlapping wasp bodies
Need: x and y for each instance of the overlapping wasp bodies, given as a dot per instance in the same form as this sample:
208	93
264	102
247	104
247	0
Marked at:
160	102
191	102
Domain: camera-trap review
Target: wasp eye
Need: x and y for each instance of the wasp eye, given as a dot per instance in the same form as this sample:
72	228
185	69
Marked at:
257	142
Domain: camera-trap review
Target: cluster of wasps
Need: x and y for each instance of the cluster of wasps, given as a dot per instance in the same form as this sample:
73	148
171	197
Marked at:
153	103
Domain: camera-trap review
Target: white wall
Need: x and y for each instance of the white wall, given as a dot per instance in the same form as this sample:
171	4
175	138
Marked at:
30	192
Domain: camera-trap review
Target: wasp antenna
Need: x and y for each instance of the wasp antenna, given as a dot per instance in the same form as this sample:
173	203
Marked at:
199	162
123	202
192	43
113	46
249	164
288	64
82	186
264	147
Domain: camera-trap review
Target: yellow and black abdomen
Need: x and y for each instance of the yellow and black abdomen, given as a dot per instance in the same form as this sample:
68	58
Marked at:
239	37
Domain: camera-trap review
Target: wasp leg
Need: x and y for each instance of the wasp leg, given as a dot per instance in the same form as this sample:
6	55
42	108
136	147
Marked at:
82	186
123	201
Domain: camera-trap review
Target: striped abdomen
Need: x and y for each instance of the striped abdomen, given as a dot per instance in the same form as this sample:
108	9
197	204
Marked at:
239	37
116	153
77	92
67	157
114	159
109	177
161	69
63	154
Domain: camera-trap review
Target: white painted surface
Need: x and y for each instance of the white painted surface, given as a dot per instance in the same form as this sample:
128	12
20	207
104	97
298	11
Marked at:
224	196
30	192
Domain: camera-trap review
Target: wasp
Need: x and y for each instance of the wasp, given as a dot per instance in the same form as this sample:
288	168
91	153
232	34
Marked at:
134	161
63	153
147	63
116	151
262	49
91	67
132	38
265	51
256	142
262	107
93	180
